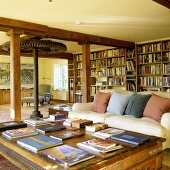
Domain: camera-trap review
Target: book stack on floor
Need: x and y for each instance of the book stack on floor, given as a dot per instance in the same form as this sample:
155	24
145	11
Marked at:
51	128
107	133
67	155
39	142
99	145
18	133
96	127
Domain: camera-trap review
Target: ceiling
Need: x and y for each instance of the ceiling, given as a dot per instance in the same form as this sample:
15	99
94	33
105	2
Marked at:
130	20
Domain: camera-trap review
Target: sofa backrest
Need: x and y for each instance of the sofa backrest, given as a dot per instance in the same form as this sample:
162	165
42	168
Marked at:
159	93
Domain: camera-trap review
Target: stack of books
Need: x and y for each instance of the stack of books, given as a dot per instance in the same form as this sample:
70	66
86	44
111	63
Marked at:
130	138
68	121
99	145
96	127
63	135
107	133
12	125
51	128
38	122
67	155
18	133
57	117
37	143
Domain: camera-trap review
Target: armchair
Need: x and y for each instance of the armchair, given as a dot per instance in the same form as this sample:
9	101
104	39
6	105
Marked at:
44	95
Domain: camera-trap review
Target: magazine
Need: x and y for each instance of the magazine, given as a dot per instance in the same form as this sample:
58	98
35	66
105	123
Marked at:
130	138
99	145
18	133
67	155
37	143
51	128
107	133
67	134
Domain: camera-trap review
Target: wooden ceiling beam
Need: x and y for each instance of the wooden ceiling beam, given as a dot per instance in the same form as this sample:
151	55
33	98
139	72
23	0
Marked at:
54	56
45	31
165	3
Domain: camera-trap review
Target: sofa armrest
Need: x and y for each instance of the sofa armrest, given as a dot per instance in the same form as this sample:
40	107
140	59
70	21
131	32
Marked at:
165	120
82	106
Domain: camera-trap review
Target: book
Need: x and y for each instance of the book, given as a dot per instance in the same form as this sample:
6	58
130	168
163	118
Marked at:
57	116
96	127
107	133
67	155
37	122
99	145
37	143
51	128
18	133
12	125
81	123
130	138
67	134
68	121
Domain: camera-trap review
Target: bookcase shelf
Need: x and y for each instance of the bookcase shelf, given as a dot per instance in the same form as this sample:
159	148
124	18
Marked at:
154	65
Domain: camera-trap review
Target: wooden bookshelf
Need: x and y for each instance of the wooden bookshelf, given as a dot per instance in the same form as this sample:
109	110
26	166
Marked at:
154	66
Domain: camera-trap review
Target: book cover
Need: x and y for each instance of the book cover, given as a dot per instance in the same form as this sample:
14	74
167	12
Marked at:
12	125
107	133
57	116
96	127
17	133
130	138
39	142
67	155
52	128
99	145
67	134
38	122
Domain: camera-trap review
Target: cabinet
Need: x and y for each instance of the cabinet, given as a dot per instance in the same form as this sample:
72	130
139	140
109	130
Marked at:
154	66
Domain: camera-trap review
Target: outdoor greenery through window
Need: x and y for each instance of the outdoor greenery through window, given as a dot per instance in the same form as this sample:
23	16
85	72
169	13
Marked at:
60	76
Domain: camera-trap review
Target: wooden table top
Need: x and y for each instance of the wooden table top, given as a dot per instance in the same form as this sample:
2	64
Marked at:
128	156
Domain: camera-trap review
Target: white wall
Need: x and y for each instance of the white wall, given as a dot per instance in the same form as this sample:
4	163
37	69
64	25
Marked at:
46	70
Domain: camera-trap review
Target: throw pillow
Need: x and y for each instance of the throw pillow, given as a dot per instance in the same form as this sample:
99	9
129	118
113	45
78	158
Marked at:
136	105
118	102
100	102
156	107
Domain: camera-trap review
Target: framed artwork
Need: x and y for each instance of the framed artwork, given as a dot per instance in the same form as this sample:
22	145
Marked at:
26	73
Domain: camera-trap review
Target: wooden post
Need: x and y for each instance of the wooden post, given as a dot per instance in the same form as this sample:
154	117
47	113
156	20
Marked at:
15	83
86	72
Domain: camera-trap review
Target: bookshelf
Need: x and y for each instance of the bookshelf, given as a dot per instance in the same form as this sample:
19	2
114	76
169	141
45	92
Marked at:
154	66
71	80
78	80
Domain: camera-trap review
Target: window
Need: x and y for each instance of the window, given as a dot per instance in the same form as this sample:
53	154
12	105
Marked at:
60	76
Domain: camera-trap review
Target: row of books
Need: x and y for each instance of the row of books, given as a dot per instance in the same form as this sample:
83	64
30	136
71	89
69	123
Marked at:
116	61
150	69
151	81
130	65
166	68
116	71
154	47
116	81
150	58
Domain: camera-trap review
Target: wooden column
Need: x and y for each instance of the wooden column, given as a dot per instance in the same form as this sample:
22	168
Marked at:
86	72
15	83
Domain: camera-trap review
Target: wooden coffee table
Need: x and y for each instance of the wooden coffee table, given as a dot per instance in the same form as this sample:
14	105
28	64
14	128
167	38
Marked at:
145	156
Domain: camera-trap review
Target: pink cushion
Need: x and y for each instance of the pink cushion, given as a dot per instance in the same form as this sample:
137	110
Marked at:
101	102
156	107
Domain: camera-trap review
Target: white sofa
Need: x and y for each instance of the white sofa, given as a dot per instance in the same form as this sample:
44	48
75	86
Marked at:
144	125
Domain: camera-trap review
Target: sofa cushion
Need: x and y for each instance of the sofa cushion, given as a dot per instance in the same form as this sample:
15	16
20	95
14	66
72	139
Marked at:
136	105
100	102
156	107
118	102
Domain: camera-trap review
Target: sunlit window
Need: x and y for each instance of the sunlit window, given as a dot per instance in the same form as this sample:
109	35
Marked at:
60	76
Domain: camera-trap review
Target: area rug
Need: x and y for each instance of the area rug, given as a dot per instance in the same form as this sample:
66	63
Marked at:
26	111
5	164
